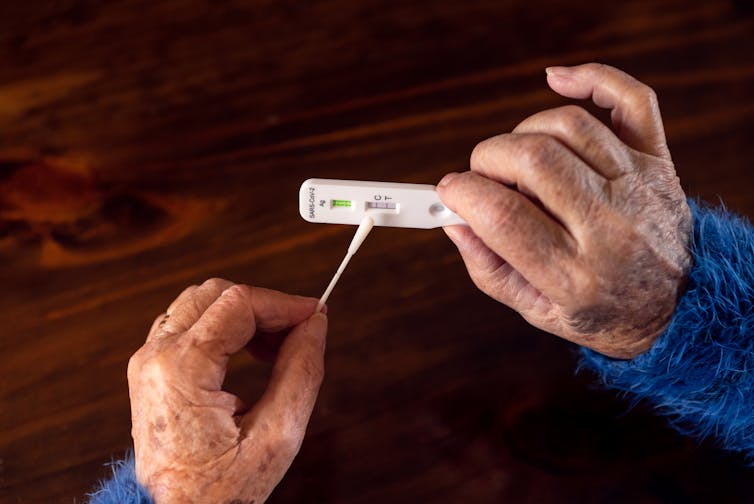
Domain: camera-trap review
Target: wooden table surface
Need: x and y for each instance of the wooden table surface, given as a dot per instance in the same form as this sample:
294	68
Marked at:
148	145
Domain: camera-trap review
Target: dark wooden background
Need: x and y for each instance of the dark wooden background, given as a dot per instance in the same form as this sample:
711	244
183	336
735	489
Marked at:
147	145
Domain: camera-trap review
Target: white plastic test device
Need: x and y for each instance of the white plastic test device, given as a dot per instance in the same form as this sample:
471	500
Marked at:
394	204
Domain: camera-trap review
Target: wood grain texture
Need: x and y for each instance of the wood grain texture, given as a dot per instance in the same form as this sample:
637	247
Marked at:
145	146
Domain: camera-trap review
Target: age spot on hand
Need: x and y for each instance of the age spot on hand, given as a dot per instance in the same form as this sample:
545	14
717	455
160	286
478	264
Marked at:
160	424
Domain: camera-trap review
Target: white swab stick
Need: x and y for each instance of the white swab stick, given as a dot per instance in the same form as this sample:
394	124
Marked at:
334	280
361	233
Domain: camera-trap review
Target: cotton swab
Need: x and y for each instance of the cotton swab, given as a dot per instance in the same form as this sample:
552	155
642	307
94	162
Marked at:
361	233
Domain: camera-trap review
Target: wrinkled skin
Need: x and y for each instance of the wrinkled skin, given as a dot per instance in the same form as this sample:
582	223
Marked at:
581	228
196	443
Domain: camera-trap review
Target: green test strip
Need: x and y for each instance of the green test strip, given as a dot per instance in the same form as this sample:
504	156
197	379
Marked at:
341	203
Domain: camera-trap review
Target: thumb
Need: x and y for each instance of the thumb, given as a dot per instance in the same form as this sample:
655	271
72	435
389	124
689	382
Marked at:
288	402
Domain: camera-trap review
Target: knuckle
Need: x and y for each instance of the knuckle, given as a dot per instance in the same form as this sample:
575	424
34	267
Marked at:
237	299
478	154
642	95
572	120
482	282
599	67
649	94
215	283
287	439
536	151
157	366
482	152
160	317
238	293
596	69
134	366
533	121
147	362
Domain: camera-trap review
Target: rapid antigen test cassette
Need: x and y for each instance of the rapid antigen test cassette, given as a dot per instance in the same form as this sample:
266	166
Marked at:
393	204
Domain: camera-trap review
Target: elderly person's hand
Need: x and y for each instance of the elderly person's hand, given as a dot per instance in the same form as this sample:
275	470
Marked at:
193	441
582	229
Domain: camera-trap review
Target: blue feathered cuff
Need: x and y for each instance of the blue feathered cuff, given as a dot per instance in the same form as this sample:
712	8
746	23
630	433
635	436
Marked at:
122	488
700	371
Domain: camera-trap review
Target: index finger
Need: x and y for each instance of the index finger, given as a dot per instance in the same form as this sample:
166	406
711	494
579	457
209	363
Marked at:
231	321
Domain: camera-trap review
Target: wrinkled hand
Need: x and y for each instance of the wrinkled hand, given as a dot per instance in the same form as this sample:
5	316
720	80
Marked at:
582	229
193	441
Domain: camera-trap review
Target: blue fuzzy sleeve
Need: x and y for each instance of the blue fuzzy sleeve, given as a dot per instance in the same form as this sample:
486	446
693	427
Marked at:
700	371
122	488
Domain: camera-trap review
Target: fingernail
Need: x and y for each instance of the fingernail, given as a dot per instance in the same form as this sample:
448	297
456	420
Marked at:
558	71
446	179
